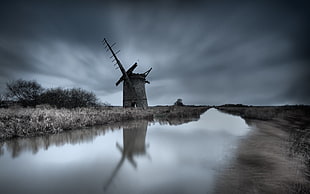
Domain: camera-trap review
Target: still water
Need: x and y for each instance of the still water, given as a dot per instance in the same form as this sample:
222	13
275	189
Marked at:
175	156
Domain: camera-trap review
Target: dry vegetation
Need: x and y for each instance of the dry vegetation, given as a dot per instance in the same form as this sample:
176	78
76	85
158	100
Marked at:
262	112
28	122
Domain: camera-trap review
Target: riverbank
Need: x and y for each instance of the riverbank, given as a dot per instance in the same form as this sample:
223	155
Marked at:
265	112
275	157
29	122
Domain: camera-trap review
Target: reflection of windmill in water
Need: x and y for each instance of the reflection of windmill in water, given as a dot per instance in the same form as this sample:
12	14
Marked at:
134	94
133	145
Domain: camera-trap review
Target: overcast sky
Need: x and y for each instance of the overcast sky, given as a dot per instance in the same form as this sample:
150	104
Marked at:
250	52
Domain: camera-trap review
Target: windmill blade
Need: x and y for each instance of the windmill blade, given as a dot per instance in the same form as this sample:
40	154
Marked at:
129	71
114	173
119	81
147	72
105	45
114	56
132	162
119	147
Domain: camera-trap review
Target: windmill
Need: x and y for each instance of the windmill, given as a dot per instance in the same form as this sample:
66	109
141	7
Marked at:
134	94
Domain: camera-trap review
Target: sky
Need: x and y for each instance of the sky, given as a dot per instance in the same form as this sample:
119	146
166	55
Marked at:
204	52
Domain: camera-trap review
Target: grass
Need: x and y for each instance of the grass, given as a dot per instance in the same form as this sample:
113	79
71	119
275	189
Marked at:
29	122
263	112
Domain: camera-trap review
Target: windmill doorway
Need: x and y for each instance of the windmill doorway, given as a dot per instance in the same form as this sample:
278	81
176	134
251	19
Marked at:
134	104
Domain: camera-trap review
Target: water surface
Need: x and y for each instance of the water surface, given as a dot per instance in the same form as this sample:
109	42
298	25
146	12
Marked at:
133	157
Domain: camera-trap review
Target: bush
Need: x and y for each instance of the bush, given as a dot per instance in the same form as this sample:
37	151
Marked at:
2	101
32	94
68	98
26	93
179	102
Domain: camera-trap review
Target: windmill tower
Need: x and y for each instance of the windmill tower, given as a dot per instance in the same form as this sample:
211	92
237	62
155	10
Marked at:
134	94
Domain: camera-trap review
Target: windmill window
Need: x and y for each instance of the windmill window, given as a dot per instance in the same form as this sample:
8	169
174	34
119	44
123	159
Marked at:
133	104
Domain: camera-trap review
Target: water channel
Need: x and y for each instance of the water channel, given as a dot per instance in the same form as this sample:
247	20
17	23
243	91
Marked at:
175	156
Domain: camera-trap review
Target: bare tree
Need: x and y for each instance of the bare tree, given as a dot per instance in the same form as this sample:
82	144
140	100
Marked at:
2	99
31	93
26	93
81	98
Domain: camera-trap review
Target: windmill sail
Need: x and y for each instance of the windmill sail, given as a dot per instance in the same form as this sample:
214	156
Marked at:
117	60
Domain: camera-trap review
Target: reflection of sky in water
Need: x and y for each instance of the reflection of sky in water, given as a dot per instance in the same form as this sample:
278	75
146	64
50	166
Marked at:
178	159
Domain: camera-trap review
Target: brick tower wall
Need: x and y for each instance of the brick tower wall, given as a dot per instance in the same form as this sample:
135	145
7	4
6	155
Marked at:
129	100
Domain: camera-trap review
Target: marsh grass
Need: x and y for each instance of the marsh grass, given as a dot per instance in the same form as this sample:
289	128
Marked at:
28	122
263	112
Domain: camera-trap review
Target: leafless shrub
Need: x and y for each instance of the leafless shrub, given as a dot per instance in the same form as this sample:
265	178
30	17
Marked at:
25	92
68	98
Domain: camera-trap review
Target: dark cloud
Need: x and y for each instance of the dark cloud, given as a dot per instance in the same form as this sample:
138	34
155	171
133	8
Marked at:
206	52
